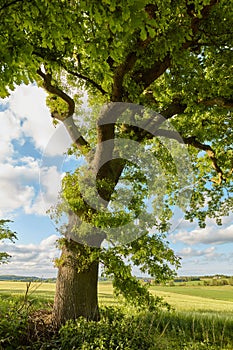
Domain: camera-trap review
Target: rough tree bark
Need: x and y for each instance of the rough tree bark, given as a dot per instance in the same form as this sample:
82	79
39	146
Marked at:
76	291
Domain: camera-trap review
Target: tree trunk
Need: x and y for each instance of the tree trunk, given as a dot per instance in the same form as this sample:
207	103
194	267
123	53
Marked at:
76	291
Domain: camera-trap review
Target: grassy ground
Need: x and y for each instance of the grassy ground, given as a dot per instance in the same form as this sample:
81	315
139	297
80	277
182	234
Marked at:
209	292
203	320
182	298
199	298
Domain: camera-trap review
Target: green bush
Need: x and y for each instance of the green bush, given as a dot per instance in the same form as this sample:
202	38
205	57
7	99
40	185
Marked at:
13	324
149	331
114	331
17	330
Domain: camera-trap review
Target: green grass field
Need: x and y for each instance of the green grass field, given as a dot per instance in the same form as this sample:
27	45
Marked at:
182	298
209	292
202	320
198	298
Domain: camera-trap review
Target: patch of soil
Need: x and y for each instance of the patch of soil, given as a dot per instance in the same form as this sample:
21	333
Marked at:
41	325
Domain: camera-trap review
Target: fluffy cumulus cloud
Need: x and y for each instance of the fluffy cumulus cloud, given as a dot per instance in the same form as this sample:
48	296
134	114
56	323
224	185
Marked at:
22	187
27	104
16	183
9	131
205	261
211	234
209	252
206	250
48	192
197	266
23	177
31	259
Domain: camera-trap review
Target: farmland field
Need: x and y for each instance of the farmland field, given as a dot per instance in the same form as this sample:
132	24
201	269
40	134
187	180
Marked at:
190	298
209	292
182	298
202	320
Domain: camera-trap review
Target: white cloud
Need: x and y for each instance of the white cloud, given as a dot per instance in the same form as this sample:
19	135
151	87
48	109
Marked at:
31	259
211	234
58	143
207	253
16	186
203	267
28	104
226	220
49	188
9	130
25	115
21	187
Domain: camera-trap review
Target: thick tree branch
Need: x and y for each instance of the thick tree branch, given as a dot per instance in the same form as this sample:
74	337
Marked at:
10	4
47	84
170	134
145	77
196	20
67	119
175	107
218	101
120	72
47	55
195	143
83	77
126	67
130	60
155	130
178	107
108	167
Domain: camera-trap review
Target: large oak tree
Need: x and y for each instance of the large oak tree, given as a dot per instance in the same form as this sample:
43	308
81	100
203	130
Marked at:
173	57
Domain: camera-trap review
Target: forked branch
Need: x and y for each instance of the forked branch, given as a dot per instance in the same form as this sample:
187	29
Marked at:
47	84
67	119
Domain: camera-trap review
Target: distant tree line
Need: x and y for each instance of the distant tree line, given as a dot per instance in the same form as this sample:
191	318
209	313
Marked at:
14	278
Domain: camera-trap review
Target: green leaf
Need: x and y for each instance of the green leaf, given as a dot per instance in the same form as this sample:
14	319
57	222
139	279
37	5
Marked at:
143	34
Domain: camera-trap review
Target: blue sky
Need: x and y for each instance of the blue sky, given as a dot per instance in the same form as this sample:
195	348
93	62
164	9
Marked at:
32	164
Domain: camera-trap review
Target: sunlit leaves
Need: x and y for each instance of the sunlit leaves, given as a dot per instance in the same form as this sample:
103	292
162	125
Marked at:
6	233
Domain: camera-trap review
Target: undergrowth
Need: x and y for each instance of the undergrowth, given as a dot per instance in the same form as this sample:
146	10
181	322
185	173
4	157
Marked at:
24	325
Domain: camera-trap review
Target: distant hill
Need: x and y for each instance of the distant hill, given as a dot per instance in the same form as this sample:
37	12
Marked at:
25	278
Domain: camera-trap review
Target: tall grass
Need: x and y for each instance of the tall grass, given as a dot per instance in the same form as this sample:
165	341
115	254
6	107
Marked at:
121	327
149	331
185	329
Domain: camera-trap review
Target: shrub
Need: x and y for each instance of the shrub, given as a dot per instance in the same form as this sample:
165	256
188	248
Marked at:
114	331
13	324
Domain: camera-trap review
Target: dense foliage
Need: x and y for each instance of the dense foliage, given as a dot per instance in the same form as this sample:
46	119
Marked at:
173	57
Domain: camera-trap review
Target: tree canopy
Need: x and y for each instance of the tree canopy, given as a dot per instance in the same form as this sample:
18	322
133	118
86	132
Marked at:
174	57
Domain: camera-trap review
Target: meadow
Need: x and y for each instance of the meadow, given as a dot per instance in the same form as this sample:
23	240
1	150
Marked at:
201	319
182	298
198	298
